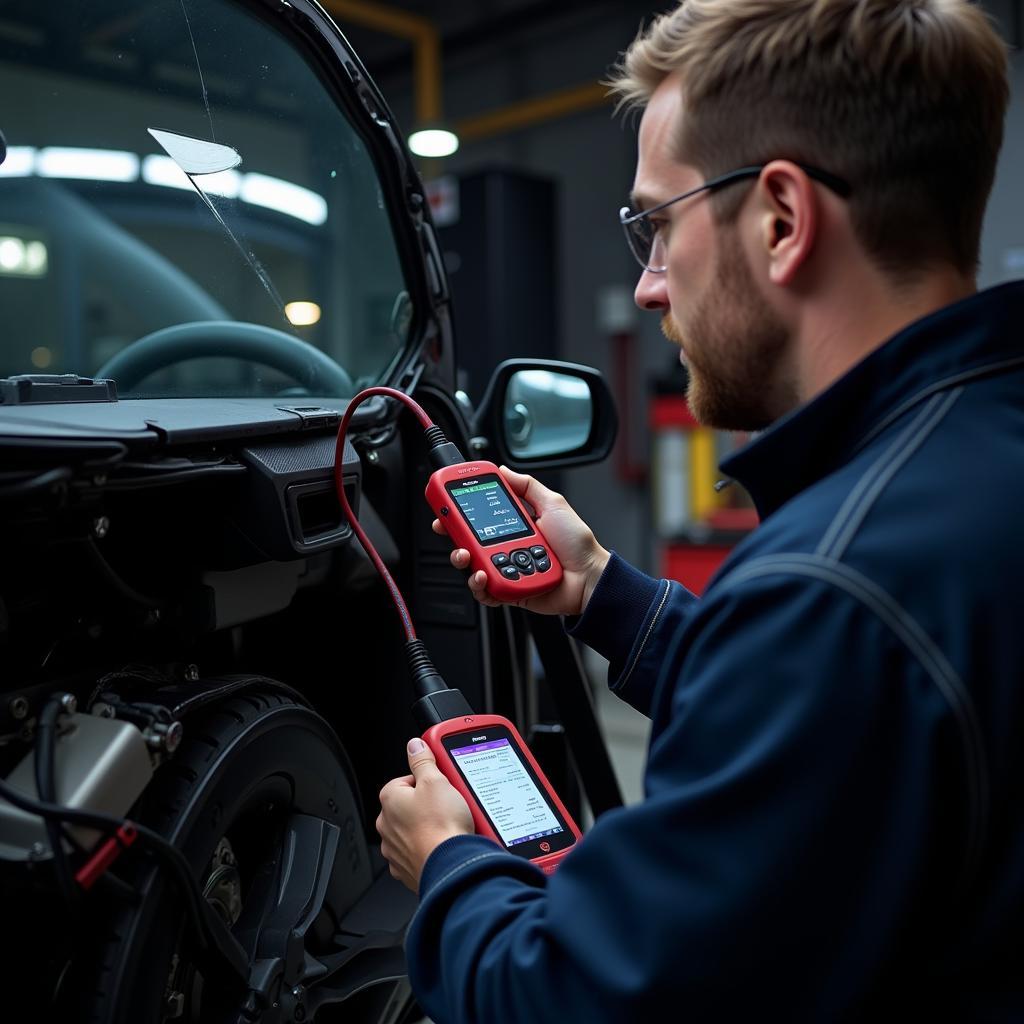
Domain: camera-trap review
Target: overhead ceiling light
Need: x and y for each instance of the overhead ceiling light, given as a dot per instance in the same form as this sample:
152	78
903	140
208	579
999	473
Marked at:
285	197
433	142
90	164
21	257
41	357
302	314
19	163
157	169
162	170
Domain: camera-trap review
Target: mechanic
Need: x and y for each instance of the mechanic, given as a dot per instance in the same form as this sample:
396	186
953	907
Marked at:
832	826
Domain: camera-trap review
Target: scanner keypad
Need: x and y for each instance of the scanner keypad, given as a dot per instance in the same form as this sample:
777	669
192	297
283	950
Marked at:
522	562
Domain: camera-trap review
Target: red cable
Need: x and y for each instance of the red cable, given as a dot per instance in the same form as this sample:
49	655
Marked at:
107	853
339	458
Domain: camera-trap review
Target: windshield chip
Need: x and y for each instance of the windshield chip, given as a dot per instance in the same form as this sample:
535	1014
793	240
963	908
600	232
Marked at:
196	156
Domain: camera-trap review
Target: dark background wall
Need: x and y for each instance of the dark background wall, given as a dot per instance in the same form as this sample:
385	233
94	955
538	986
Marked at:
500	53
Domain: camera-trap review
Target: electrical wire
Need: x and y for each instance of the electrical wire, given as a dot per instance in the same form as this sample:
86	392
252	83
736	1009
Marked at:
55	816
339	459
165	852
46	785
165	477
40	482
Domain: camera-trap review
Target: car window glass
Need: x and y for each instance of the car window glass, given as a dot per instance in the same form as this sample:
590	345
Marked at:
173	162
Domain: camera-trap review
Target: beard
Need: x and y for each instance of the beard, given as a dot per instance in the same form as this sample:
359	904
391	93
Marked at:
735	350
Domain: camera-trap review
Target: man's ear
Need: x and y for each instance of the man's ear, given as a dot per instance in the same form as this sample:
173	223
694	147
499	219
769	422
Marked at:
789	219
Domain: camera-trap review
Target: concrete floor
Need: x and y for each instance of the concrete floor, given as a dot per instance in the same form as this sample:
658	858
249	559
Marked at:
626	731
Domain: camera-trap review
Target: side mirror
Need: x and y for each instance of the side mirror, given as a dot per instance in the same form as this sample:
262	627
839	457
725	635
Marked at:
546	414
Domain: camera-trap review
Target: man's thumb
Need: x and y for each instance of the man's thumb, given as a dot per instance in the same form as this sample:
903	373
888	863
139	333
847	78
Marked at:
421	757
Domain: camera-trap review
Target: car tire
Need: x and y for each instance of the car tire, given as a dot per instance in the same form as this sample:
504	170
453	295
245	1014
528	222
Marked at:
244	765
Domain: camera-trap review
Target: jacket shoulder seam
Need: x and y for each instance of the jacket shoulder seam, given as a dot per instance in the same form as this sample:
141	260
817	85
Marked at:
921	647
877	477
963	377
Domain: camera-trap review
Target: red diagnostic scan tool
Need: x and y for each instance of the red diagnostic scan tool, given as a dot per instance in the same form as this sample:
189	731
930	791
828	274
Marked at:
482	756
486	760
481	514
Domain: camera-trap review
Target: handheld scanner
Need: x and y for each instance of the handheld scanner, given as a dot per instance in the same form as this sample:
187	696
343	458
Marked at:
481	514
486	760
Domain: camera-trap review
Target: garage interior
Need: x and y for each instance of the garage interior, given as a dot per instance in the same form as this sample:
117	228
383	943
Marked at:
525	211
519	83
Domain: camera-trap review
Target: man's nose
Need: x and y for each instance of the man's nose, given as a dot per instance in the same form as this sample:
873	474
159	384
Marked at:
651	291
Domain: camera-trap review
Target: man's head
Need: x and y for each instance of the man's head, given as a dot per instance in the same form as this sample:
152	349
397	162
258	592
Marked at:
902	99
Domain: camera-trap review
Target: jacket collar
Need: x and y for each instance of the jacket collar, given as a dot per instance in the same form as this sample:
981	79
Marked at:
978	335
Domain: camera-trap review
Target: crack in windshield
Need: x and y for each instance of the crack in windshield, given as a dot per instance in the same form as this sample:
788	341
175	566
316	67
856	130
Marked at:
104	243
198	158
199	68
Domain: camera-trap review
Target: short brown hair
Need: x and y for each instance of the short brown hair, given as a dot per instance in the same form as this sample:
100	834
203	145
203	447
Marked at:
905	99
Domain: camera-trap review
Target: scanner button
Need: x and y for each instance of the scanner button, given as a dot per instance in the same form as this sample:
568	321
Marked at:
538	552
500	559
543	564
527	570
444	510
510	572
522	559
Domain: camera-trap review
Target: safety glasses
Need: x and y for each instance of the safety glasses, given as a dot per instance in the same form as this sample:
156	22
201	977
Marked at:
646	238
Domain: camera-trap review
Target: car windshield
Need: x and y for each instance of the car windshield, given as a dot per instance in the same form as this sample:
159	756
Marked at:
185	207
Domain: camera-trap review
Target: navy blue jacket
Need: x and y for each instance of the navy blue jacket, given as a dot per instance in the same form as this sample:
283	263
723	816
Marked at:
834	817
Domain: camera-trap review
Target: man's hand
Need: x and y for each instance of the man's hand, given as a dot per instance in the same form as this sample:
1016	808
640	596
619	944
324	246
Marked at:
417	812
572	541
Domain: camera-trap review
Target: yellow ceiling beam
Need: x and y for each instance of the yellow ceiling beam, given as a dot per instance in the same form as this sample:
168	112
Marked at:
426	43
419	31
538	110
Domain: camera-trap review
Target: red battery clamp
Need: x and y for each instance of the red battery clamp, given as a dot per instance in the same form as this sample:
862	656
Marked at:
480	513
482	756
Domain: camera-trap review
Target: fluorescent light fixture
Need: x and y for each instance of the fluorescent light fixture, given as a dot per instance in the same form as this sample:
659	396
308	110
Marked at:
283	196
223	183
19	163
88	164
433	142
157	169
37	260
12	254
162	170
21	258
302	314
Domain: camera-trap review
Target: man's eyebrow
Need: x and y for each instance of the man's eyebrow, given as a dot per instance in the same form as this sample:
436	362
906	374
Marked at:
640	201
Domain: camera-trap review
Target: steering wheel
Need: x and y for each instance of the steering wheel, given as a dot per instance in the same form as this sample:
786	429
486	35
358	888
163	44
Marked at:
314	370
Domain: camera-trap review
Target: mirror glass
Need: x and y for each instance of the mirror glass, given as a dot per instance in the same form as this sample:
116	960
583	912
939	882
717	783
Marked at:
546	413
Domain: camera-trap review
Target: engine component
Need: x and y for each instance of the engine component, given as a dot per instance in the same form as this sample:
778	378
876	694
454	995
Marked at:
101	765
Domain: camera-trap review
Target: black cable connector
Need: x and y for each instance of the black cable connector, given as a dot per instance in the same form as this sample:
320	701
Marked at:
425	678
440	450
436	702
